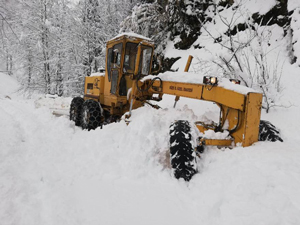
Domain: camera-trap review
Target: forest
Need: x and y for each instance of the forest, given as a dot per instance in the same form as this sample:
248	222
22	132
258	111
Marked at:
52	44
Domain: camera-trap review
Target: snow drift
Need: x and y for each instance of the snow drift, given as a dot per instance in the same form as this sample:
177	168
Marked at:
52	172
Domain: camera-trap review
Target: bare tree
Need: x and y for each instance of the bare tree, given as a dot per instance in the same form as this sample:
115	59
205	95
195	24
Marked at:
245	51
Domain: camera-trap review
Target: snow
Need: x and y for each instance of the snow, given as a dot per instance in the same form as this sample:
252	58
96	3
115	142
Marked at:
293	4
57	105
134	35
295	26
97	74
52	172
210	134
262	7
7	85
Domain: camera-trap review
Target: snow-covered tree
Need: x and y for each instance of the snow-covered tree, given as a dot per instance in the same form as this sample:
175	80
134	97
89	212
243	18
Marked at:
150	20
57	42
8	36
246	50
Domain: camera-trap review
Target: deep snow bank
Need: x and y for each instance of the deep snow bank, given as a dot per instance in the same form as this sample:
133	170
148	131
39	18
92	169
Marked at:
52	172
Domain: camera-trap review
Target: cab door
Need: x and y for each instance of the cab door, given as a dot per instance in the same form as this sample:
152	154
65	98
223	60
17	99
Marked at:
144	61
114	69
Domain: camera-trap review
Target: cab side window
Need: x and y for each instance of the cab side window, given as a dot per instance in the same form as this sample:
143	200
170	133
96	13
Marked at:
117	53
145	60
130	57
109	55
114	72
113	58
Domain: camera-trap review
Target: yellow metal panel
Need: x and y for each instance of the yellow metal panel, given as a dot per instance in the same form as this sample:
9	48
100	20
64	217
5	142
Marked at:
180	89
252	118
97	84
201	128
235	120
109	99
224	96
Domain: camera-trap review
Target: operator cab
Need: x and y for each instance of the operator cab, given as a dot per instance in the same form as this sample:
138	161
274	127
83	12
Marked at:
128	56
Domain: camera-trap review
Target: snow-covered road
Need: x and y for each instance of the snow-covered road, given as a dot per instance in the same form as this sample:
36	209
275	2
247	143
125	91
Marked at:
52	172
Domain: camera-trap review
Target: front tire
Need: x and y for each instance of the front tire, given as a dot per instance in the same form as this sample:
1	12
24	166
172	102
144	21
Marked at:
75	110
91	115
183	156
268	132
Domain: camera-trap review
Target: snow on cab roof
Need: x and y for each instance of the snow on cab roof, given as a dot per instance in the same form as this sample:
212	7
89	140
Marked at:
193	78
131	35
97	74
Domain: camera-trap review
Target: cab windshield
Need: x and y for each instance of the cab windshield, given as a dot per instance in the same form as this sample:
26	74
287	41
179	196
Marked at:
130	57
145	60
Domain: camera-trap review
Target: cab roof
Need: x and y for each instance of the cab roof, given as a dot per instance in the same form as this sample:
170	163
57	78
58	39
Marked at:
130	36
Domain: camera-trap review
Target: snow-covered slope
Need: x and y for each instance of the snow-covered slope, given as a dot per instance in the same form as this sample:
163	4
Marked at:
8	85
52	172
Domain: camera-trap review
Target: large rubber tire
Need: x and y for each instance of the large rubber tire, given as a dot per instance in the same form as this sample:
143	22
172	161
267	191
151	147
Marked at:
268	132
90	115
75	110
182	154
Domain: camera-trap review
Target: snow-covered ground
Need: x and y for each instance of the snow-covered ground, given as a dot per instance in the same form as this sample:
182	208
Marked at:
54	173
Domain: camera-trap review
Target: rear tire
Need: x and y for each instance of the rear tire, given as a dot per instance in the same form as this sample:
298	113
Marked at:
183	156
91	115
75	110
268	132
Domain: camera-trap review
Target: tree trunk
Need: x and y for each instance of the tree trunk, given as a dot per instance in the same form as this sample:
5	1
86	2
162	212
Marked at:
45	44
59	78
29	58
9	63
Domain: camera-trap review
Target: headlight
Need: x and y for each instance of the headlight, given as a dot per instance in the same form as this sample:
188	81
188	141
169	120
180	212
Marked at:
235	81
210	80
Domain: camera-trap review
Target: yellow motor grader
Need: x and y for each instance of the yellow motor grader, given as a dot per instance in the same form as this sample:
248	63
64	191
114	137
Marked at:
127	84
